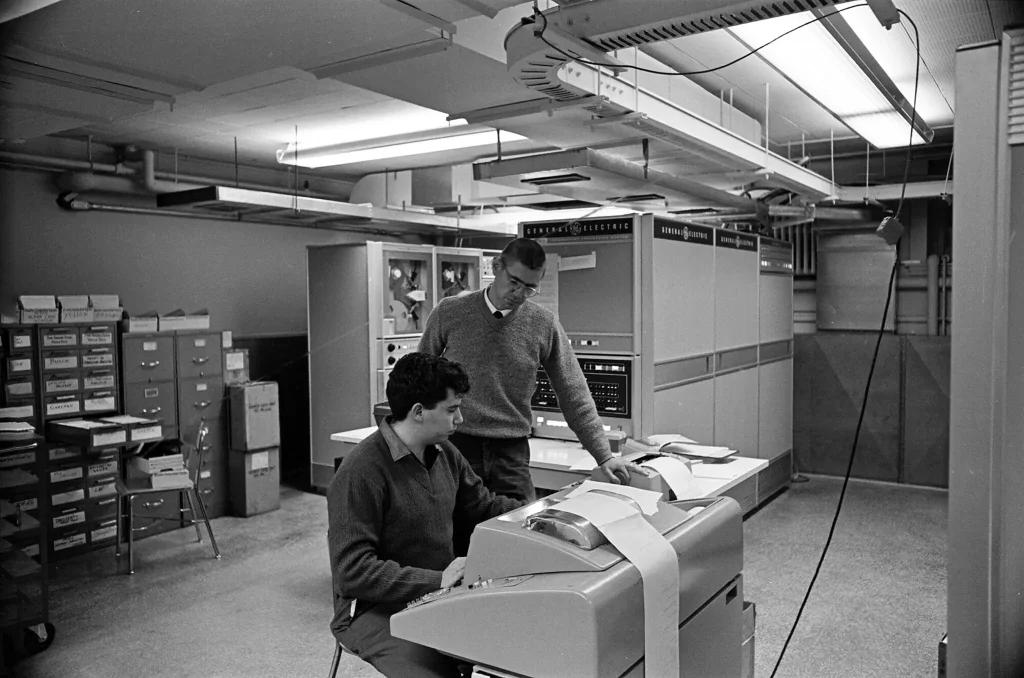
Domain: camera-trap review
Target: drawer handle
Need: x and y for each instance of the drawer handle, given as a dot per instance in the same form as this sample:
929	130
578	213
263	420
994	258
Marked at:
208	490
153	504
200	361
106	501
150	365
153	410
202	404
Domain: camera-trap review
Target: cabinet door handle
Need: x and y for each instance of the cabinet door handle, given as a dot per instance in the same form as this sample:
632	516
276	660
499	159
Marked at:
153	504
206	448
154	410
202	405
201	361
150	365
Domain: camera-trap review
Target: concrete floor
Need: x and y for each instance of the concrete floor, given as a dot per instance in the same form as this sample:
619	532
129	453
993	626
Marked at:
262	611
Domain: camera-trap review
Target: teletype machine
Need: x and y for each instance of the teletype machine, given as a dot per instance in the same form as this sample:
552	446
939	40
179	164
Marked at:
546	593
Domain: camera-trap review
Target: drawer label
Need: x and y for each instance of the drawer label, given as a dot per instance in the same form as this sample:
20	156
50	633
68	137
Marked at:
67	497
99	381
60	339
63	407
104	533
61	385
19	459
69	542
149	346
99	404
21	365
21	341
30	504
199	343
57	453
69	519
201	387
66	474
102	490
60	362
19	388
97	338
204	474
103	469
32	550
147	432
98	359
150	393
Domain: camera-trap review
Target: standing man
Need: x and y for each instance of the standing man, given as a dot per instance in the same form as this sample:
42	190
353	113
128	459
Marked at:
501	338
390	509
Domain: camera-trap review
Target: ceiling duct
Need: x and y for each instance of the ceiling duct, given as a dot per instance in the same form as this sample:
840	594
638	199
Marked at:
313	212
594	177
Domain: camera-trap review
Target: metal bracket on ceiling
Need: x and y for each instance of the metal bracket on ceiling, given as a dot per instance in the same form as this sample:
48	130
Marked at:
626	117
521	108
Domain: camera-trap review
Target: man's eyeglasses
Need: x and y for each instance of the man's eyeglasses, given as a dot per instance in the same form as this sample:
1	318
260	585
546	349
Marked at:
516	284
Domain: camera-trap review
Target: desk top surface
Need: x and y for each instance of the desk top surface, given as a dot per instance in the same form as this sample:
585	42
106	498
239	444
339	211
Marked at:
569	456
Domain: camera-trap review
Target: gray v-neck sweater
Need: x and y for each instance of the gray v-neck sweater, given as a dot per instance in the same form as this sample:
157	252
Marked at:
501	357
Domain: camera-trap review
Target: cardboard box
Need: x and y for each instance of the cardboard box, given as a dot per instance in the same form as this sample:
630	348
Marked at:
75	309
254	481
34	309
144	323
236	366
254	416
106	307
178	320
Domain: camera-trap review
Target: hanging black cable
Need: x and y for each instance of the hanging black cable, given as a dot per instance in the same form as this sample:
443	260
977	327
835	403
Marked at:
871	371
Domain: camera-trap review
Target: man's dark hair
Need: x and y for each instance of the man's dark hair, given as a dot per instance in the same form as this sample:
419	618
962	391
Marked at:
527	252
425	379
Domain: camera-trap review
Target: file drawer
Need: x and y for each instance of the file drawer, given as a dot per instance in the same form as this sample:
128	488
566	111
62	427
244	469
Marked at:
97	335
153	401
148	358
97	357
199	356
98	402
61	382
62	405
19	364
98	379
198	398
58	337
60	361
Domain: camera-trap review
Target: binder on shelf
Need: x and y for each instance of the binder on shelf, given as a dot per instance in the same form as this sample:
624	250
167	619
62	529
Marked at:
89	433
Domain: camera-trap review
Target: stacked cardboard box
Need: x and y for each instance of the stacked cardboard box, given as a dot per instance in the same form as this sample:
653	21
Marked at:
254	468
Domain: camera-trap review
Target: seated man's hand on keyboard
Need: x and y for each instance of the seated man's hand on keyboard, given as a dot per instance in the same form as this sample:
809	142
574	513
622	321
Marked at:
452	574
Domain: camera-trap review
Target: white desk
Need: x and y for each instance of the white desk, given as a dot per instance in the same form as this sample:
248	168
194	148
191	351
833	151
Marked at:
551	462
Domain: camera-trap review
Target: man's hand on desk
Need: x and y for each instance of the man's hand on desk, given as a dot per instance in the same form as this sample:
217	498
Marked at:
616	471
452	574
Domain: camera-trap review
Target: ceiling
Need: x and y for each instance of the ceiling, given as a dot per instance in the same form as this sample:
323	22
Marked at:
235	80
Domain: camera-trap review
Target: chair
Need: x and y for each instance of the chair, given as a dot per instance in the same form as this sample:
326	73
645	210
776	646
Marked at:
187	491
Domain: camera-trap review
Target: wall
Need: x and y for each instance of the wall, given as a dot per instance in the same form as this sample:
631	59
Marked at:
251	277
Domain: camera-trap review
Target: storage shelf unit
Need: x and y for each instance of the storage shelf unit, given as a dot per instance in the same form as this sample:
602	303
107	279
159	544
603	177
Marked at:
177	377
367	305
24	590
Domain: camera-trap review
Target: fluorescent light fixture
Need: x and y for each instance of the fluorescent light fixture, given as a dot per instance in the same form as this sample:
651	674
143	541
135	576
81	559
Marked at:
813	60
333	156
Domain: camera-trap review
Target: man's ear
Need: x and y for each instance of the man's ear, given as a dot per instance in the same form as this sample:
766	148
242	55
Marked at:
416	411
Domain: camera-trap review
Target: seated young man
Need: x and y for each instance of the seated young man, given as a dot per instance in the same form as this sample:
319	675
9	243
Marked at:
390	507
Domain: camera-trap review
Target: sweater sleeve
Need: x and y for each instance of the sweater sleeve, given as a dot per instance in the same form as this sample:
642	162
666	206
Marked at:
432	340
574	399
474	500
355	509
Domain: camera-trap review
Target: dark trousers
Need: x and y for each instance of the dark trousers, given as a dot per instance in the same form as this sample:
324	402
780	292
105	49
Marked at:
504	466
368	636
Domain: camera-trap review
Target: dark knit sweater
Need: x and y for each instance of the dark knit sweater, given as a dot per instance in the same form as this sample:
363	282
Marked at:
501	357
390	518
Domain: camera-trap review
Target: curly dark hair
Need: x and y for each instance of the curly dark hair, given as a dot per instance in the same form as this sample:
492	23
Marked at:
425	379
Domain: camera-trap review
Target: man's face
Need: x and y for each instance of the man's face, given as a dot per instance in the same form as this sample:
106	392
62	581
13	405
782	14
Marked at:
441	421
513	282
